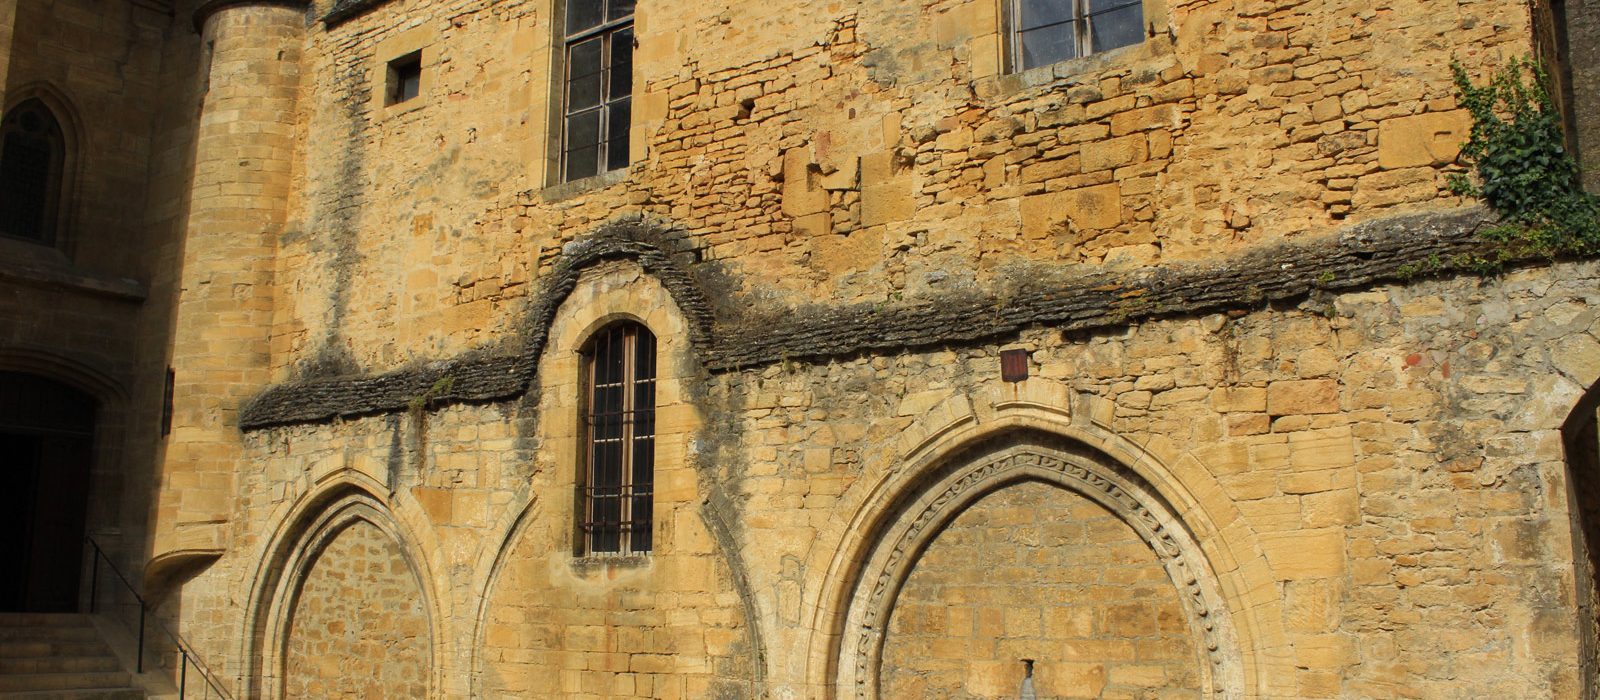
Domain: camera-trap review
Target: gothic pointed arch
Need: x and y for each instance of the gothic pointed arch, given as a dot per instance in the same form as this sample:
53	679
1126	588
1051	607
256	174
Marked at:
40	140
342	604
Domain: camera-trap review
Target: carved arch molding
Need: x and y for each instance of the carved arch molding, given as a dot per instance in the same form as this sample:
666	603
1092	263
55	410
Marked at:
911	527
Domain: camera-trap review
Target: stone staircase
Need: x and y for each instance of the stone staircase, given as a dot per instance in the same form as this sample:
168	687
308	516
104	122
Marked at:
59	656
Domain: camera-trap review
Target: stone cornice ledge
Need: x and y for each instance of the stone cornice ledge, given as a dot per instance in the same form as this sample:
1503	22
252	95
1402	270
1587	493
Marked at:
1358	257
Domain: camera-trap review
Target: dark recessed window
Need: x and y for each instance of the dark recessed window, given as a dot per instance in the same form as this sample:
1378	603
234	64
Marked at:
1048	31
405	78
32	158
598	87
616	495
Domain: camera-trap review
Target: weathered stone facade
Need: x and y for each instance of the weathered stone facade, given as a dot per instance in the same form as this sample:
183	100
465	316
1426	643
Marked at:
1273	441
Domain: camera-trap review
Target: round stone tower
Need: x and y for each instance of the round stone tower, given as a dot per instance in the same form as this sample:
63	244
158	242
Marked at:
244	146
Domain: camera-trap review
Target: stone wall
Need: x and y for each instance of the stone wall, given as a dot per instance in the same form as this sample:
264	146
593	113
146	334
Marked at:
87	310
819	151
1336	459
1375	480
359	627
1037	572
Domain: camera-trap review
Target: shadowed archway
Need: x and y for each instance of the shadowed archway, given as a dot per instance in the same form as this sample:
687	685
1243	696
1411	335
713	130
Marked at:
47	433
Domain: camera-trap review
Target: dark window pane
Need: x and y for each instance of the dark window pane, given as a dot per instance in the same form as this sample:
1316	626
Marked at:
621	64
620	9
583	163
31	153
647	358
1038	13
618	493
1042	47
583	14
1098	6
1121	27
641	523
583	154
617	135
584	80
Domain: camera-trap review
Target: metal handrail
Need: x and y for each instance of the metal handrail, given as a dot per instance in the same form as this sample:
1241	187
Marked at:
184	649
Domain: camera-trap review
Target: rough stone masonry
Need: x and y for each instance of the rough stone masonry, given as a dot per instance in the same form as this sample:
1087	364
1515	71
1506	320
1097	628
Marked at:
1275	439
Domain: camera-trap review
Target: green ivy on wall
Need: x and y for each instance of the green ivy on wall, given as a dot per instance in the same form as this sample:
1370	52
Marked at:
1522	168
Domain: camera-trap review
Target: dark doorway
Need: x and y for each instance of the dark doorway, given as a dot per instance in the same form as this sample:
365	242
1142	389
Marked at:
46	450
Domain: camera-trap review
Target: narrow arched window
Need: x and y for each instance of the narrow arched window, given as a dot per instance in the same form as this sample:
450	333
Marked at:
619	441
32	159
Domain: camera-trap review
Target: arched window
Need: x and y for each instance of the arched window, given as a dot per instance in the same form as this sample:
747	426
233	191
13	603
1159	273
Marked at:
32	158
619	441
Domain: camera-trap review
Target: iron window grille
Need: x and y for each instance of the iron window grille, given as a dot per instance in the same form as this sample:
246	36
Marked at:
1049	31
597	87
617	494
32	163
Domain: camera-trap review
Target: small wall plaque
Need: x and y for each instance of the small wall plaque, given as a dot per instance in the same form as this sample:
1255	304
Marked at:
1014	365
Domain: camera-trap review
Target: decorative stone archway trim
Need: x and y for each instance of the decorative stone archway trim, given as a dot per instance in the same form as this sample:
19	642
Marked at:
970	476
277	589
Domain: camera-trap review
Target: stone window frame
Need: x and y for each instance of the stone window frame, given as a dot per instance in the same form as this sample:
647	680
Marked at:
412	46
607	31
403	79
634	470
57	195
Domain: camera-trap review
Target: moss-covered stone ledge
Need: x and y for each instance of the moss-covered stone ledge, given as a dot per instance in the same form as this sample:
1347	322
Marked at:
1389	250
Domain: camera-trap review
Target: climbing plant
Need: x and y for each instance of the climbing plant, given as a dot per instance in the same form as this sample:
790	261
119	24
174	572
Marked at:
1521	167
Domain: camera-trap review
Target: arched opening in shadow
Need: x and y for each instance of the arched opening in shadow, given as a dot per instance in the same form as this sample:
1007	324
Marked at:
47	442
1581	441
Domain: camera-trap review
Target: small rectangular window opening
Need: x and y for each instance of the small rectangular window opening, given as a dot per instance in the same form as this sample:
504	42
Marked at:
405	78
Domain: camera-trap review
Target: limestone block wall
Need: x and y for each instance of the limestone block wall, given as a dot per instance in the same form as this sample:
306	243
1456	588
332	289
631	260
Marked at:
1371	485
1036	572
848	153
80	311
359	627
243	152
1345	487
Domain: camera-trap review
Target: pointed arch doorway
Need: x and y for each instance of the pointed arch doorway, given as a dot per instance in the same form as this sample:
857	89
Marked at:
46	452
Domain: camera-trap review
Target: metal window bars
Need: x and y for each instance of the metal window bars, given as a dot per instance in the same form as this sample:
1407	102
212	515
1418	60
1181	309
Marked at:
183	652
617	493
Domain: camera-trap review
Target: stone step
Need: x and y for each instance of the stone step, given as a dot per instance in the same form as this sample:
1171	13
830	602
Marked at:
54	663
51	633
26	682
24	650
78	694
16	619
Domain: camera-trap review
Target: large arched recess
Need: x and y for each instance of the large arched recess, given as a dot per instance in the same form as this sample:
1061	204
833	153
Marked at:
1581	442
902	522
308	531
96	499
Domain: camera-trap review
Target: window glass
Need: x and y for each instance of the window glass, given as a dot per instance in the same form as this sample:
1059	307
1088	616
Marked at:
1123	26
32	153
621	64
598	87
620	9
617	136
1048	31
1042	47
583	15
618	495
1038	13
